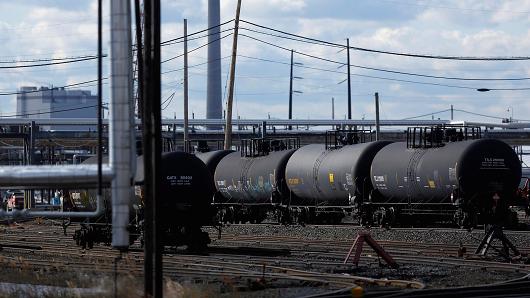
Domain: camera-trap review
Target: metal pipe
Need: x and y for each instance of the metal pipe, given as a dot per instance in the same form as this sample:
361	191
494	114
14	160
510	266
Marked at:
120	133
55	214
49	175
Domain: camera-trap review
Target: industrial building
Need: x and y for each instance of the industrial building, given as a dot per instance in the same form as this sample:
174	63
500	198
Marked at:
53	103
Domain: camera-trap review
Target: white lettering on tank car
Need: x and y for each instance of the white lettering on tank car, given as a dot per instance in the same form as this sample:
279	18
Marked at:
349	179
379	178
490	163
179	181
452	174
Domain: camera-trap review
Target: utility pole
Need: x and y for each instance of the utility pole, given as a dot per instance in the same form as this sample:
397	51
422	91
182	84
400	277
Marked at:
377	133
349	77
152	149
451	112
186	85
228	126
291	92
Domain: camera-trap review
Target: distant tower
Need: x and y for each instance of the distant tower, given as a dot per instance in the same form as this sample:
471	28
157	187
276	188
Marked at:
214	106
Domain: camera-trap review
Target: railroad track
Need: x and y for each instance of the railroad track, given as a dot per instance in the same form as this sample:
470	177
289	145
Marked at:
308	261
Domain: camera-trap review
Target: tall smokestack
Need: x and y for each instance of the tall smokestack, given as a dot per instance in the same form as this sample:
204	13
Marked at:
214	109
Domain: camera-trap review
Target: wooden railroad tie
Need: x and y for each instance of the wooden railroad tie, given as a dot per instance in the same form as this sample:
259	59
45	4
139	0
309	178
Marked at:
363	237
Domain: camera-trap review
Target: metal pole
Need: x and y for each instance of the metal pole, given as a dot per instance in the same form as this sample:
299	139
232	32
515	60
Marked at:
147	126
349	77
139	56
100	100
228	127
332	108
264	129
185	85
451	112
122	155
377	116
32	143
156	143
291	91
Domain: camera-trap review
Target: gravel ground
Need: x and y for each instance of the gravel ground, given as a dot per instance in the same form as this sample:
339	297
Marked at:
348	233
434	276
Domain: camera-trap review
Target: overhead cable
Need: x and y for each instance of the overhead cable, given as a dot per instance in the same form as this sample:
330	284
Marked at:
387	70
50	63
442	57
195	49
195	33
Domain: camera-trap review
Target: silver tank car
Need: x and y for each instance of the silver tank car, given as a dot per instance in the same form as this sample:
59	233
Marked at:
252	180
332	177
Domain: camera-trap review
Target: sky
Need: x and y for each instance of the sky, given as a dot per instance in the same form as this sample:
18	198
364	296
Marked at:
40	29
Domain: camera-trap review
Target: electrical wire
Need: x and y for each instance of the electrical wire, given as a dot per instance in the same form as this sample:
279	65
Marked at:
48	59
49	112
50	63
425	115
198	37
195	33
197	48
478	114
53	88
170	98
195	65
373	77
369	76
442	57
390	71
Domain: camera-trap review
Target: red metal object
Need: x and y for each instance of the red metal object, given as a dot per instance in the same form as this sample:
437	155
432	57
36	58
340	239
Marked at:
358	245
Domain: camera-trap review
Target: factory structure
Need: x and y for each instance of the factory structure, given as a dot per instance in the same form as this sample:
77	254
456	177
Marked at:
52	103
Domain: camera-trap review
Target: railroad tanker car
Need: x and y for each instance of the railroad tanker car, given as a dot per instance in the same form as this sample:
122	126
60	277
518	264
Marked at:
186	188
444	172
472	180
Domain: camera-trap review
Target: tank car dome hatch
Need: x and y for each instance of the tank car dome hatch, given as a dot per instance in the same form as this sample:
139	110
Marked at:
332	175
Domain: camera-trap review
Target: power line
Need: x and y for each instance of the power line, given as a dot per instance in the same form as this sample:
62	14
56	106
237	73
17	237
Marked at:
478	114
361	75
428	114
195	65
391	71
369	76
170	99
195	38
53	88
49	112
292	38
51	63
195	33
48	59
197	48
442	57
